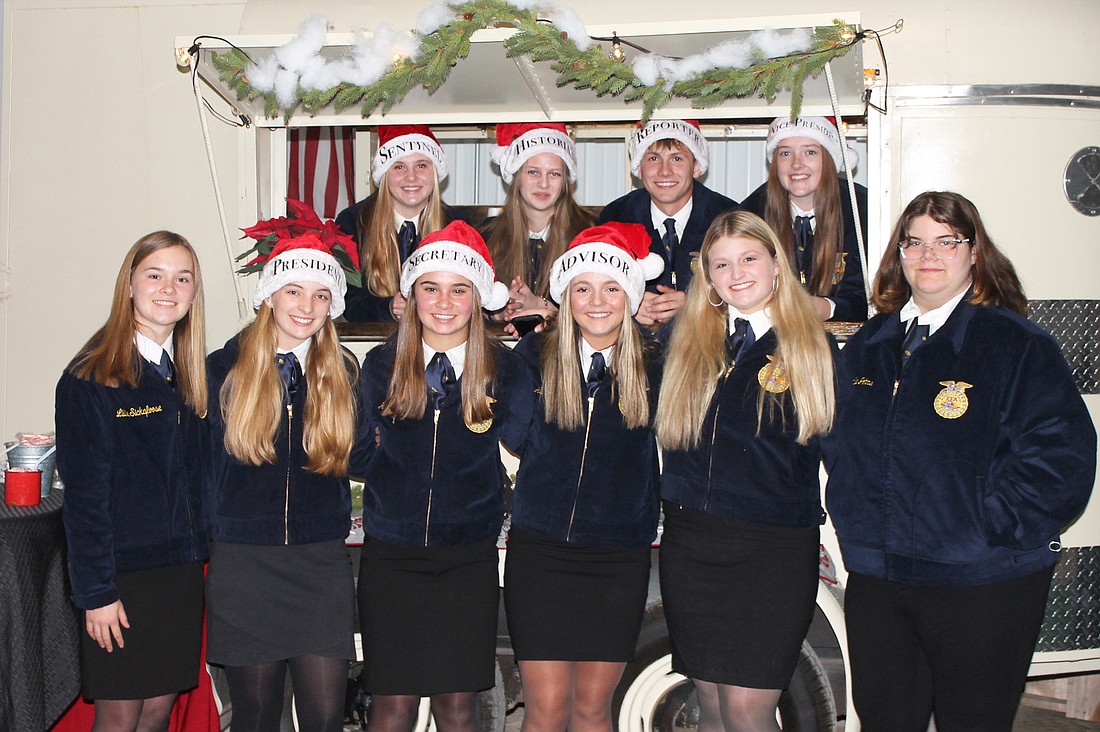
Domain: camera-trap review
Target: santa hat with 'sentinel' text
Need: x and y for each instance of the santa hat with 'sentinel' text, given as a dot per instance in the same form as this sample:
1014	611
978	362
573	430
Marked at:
619	251
517	143
684	130
459	249
398	141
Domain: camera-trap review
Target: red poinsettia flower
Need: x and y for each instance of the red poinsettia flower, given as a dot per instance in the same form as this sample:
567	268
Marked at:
303	228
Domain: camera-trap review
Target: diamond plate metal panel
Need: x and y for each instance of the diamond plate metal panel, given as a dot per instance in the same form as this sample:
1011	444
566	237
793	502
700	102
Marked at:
1072	619
1075	324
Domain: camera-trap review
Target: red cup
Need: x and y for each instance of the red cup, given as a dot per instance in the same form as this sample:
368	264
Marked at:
22	487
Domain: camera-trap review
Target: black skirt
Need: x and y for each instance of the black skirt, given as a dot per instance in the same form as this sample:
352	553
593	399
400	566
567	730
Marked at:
429	617
572	603
738	597
162	644
271	603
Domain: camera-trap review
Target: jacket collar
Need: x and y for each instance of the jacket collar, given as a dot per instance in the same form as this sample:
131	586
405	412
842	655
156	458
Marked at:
954	330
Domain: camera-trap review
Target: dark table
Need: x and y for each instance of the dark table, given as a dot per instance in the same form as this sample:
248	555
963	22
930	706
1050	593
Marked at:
39	626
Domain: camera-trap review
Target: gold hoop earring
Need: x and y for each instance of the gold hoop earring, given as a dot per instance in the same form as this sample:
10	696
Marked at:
775	282
718	304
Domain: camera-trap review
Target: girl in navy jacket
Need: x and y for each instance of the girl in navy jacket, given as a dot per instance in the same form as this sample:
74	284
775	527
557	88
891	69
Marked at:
809	209
961	450
283	414
130	448
586	503
748	389
437	397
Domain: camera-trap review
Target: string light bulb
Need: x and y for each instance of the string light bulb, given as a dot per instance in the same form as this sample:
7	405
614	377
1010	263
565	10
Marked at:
617	53
848	34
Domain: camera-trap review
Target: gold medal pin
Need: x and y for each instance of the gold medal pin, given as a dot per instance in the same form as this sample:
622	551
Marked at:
479	428
773	377
952	402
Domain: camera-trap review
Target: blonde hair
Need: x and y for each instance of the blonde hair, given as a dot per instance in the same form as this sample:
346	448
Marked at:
697	356
110	358
508	237
379	256
407	395
561	378
252	399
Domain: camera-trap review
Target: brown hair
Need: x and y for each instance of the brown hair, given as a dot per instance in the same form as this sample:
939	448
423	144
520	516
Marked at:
995	280
110	358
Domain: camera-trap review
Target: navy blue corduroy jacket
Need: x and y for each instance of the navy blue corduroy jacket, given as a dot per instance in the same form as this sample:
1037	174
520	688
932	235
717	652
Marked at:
132	460
434	482
922	499
764	478
634	208
276	503
595	486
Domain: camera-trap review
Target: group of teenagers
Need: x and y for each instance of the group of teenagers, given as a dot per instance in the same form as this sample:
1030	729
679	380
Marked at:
680	369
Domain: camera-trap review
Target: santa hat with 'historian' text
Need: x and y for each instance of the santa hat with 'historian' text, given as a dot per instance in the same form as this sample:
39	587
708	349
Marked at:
459	249
517	143
619	251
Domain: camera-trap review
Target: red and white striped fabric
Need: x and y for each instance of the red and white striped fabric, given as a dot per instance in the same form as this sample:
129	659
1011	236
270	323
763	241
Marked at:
321	168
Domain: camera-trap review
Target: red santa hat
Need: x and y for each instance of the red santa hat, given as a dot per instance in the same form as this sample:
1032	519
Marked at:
822	130
685	130
457	248
620	251
398	141
304	258
517	143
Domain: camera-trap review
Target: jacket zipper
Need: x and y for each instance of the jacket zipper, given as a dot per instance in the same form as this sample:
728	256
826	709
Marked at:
714	434
580	476
290	448
431	479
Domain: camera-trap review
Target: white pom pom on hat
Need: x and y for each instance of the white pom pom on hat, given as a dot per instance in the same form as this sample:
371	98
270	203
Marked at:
457	248
617	250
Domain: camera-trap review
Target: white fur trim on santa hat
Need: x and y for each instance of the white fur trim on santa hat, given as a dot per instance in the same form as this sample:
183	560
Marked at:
818	129
303	265
460	259
510	158
609	260
669	129
404	145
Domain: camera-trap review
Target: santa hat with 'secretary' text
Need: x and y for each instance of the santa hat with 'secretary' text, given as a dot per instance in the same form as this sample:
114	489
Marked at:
684	130
398	141
619	251
822	130
517	143
459	249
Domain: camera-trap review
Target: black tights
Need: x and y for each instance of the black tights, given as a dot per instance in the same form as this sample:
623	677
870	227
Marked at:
320	688
133	715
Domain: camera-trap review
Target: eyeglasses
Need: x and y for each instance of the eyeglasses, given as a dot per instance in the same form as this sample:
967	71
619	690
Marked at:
942	248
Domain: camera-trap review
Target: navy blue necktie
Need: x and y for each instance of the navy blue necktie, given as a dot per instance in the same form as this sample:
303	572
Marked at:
803	246
669	241
406	239
536	243
441	378
289	371
740	340
165	368
596	373
917	335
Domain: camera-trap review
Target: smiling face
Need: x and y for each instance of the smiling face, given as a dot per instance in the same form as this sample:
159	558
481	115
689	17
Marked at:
300	310
599	305
742	272
798	165
410	181
162	288
934	280
444	304
668	173
540	181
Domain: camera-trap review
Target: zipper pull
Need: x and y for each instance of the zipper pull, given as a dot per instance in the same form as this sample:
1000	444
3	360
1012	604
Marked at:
290	411
896	382
435	419
591	404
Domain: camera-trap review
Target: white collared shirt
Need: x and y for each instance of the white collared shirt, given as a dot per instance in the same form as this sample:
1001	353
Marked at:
398	220
150	350
587	352
456	355
761	321
935	317
681	217
539	234
300	351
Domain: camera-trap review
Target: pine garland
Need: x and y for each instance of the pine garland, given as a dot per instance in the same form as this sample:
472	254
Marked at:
544	42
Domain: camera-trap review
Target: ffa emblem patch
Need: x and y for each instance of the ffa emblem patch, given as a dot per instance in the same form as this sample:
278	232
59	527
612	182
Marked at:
773	377
841	266
479	428
952	403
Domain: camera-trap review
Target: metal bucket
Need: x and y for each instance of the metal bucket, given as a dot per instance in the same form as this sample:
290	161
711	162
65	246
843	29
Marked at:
25	456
